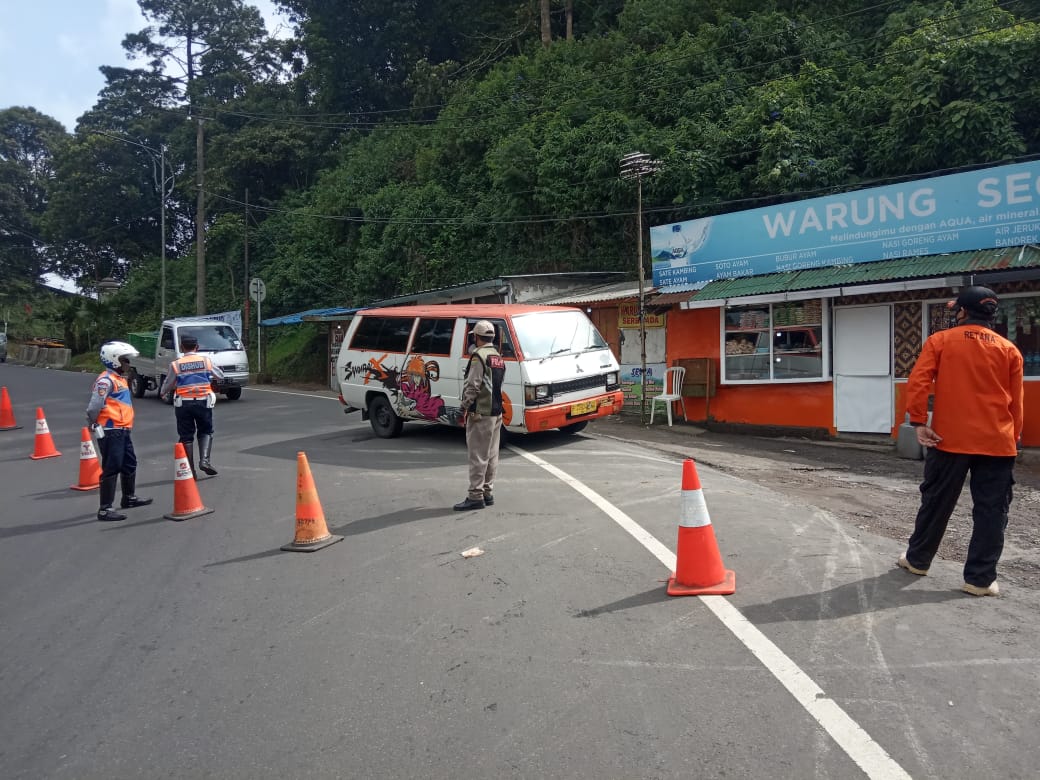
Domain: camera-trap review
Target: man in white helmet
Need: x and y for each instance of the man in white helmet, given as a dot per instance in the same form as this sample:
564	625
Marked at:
110	414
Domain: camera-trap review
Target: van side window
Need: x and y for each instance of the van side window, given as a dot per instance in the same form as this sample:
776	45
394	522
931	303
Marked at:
503	343
382	334
433	337
167	338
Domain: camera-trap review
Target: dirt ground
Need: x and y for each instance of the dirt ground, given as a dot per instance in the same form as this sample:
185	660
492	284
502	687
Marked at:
865	485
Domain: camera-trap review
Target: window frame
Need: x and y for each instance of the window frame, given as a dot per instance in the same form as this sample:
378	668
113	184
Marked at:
772	328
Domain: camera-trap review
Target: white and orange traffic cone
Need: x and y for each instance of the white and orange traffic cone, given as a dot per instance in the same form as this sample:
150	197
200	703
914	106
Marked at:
698	565
312	533
89	468
186	500
43	446
7	422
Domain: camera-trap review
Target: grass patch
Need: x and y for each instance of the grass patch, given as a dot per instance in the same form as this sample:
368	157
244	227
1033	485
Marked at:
296	353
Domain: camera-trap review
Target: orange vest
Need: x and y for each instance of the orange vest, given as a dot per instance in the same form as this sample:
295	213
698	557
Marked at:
118	411
979	395
193	376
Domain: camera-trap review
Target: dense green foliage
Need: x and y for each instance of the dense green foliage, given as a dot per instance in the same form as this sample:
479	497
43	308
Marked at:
406	146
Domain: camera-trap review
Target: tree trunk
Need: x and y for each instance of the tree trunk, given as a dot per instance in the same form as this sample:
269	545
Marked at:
543	6
570	19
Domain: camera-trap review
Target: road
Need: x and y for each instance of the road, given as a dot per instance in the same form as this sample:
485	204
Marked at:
199	649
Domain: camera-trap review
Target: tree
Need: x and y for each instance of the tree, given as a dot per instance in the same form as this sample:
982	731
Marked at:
29	141
215	49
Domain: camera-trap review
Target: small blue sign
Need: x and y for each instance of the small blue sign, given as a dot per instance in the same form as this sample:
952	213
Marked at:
993	207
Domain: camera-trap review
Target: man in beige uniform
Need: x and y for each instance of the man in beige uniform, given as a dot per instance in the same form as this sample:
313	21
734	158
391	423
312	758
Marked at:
481	404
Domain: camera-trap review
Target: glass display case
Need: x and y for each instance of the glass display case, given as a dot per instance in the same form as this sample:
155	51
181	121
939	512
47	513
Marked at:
781	341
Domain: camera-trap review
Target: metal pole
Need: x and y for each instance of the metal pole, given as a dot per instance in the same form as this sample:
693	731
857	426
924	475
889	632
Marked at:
258	367
162	229
642	300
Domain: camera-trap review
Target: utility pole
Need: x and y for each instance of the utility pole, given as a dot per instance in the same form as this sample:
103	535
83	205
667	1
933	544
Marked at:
200	222
245	278
636	165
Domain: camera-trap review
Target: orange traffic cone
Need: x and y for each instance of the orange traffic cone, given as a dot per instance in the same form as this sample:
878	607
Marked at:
44	444
186	501
311	531
698	565
7	422
89	468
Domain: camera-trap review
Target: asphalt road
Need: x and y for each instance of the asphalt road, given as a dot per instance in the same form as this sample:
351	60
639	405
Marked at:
154	648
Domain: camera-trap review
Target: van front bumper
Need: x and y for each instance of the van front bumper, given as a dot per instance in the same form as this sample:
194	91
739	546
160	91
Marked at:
560	415
231	380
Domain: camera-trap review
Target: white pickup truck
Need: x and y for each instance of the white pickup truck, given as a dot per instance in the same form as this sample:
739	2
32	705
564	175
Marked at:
217	339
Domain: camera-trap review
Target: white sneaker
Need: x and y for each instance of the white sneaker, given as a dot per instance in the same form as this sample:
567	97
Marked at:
903	563
975	590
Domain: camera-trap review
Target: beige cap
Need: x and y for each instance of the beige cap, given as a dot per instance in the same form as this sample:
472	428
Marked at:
484	329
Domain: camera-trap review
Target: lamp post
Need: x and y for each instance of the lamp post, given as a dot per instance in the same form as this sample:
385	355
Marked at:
162	182
636	165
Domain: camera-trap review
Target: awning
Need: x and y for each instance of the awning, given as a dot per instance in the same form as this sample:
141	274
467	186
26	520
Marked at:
310	314
929	270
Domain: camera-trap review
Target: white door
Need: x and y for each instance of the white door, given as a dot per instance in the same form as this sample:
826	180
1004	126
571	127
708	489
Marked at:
631	351
863	369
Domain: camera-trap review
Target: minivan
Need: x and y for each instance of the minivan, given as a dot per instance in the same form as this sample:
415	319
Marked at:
408	363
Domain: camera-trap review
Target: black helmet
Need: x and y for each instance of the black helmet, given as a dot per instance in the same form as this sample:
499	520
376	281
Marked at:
980	303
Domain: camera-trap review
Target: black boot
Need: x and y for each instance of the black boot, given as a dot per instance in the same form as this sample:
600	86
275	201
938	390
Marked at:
107	494
189	450
129	499
205	446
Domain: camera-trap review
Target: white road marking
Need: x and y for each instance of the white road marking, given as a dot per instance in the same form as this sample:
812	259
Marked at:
850	736
253	389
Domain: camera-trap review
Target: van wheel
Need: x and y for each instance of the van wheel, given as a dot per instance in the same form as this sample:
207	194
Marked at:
234	393
137	385
385	423
577	427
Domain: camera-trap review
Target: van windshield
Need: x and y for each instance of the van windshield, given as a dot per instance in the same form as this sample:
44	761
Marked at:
544	334
212	338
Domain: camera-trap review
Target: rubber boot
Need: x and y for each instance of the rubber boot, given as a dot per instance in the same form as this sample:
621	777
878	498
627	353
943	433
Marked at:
205	446
129	499
107	494
189	450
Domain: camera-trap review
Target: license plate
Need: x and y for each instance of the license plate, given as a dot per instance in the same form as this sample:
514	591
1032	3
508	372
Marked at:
584	407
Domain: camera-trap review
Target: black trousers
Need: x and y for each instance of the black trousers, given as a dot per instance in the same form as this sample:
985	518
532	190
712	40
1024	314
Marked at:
117	453
991	484
192	417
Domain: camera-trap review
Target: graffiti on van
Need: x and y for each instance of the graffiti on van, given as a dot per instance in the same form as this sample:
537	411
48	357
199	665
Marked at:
419	400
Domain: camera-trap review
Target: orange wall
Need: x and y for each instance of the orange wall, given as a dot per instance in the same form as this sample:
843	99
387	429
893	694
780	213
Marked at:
696	333
1030	432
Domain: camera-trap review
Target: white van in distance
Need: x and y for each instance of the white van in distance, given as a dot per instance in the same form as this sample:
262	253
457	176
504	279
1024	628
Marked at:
408	363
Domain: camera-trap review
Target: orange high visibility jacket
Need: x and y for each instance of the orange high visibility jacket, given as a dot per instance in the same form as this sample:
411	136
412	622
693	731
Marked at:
977	377
118	411
193	372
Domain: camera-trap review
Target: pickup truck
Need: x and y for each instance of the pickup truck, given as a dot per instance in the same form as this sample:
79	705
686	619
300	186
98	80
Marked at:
157	349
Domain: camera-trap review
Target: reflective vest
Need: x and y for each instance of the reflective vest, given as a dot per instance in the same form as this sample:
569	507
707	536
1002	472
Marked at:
118	411
489	398
193	376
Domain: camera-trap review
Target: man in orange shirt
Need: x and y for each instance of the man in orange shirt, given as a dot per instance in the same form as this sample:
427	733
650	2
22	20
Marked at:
976	426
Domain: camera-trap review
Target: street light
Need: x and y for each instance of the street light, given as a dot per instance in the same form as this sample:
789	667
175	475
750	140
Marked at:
636	165
161	183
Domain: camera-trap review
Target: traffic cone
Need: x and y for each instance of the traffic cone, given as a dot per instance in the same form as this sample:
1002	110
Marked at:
43	447
698	565
89	468
7	422
186	501
311	531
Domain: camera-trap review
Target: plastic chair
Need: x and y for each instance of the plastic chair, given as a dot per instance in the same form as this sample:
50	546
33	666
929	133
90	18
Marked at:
673	382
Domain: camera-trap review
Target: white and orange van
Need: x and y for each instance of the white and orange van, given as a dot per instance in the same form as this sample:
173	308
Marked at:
407	363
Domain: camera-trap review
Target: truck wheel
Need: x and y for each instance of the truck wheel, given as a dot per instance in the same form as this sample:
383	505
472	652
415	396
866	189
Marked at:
234	393
137	385
385	423
577	427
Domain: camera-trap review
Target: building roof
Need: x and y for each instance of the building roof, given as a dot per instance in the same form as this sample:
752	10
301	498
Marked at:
905	268
310	314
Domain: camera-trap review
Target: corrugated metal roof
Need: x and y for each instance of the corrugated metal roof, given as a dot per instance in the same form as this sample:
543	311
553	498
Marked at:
296	319
920	267
603	292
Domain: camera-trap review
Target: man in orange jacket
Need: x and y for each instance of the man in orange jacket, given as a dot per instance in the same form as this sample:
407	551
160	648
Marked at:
976	426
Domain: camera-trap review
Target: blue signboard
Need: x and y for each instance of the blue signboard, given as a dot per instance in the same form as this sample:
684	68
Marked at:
981	209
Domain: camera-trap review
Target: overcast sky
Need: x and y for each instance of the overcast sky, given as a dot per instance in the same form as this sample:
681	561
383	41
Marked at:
50	50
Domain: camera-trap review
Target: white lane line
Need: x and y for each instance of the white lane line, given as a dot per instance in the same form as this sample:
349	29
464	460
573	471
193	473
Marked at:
289	392
850	736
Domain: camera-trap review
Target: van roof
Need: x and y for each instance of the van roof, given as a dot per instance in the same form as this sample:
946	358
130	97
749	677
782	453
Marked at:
479	310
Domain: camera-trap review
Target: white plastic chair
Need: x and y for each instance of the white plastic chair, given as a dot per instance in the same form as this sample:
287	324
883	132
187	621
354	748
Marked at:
673	382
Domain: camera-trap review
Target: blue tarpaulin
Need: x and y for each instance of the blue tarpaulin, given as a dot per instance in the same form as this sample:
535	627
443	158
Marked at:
297	318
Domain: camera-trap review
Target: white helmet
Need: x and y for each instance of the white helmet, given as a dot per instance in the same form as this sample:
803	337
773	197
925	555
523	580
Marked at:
111	351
